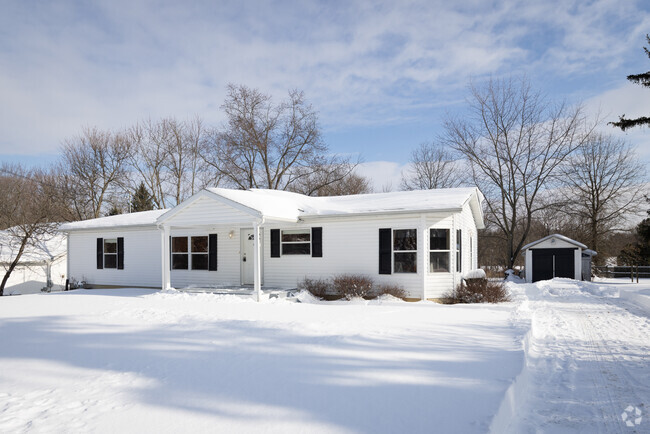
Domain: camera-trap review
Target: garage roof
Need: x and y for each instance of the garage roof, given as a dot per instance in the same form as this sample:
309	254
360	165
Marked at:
558	236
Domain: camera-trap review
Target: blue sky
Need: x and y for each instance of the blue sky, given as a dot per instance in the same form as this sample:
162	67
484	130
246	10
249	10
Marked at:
381	75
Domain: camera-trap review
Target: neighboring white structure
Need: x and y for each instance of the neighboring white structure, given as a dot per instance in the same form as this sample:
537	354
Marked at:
421	240
41	266
557	256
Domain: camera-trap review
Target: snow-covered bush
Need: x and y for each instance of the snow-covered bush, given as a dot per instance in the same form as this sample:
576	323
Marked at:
318	287
349	286
352	285
387	289
479	273
478	291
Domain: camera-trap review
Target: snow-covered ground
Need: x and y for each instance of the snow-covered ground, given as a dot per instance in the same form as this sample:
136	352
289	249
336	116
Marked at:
135	360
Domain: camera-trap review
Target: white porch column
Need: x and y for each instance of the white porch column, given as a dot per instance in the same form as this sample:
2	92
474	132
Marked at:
425	254
257	274
166	265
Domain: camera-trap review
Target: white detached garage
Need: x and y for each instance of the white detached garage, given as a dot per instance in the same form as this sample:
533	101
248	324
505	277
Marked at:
421	240
557	256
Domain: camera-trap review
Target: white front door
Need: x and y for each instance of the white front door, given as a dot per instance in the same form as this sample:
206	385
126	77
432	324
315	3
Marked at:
247	256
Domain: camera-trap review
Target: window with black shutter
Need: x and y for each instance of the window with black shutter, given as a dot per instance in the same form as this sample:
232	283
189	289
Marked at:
385	251
317	242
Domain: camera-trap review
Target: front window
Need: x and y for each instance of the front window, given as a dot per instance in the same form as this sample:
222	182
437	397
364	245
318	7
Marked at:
439	250
199	253
180	260
110	253
405	247
296	242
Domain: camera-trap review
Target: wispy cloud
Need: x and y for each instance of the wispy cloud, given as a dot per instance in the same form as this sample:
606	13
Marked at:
68	64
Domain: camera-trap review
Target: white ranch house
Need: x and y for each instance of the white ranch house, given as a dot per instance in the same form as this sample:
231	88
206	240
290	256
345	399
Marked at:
421	240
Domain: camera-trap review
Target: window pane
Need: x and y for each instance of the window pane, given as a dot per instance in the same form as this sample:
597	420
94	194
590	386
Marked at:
199	244
294	235
405	239
406	263
110	246
110	261
296	249
439	262
199	262
179	244
179	262
439	239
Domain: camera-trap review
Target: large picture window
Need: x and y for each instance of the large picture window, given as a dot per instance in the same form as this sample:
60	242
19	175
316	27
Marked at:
405	250
180	257
439	250
110	253
199	253
296	241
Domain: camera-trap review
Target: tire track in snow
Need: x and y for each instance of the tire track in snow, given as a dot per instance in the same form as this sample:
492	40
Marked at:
586	361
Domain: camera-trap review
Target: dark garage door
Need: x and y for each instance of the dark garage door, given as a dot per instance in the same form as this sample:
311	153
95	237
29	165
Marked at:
549	263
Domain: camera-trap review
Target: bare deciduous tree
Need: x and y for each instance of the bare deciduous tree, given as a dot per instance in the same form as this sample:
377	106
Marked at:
431	166
333	183
268	145
150	153
514	141
95	164
602	184
28	212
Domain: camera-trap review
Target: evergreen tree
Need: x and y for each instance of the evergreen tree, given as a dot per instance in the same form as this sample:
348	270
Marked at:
644	80
639	252
114	211
142	200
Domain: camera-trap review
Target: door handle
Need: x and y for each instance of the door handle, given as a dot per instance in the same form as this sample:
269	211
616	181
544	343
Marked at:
244	258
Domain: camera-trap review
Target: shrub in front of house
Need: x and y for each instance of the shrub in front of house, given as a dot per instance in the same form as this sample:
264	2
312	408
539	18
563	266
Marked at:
320	288
349	286
387	289
478	290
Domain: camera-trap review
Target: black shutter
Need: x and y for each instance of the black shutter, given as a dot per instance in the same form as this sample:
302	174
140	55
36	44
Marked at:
120	253
385	251
170	252
275	243
100	253
212	252
317	242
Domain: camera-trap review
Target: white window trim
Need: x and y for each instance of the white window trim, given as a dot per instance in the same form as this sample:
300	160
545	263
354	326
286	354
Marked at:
302	231
448	251
114	241
392	246
190	264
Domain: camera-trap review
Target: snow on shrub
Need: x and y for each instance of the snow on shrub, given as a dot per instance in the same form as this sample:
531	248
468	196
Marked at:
318	287
350	286
478	291
479	273
390	290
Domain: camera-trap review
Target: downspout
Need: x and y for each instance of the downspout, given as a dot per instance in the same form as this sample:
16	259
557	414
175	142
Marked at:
452	251
67	261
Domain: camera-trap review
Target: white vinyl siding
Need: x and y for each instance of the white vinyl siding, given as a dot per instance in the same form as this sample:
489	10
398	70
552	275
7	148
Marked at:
141	257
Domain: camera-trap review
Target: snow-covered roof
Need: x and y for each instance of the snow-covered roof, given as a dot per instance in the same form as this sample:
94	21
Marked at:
556	236
284	204
143	218
45	248
290	206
